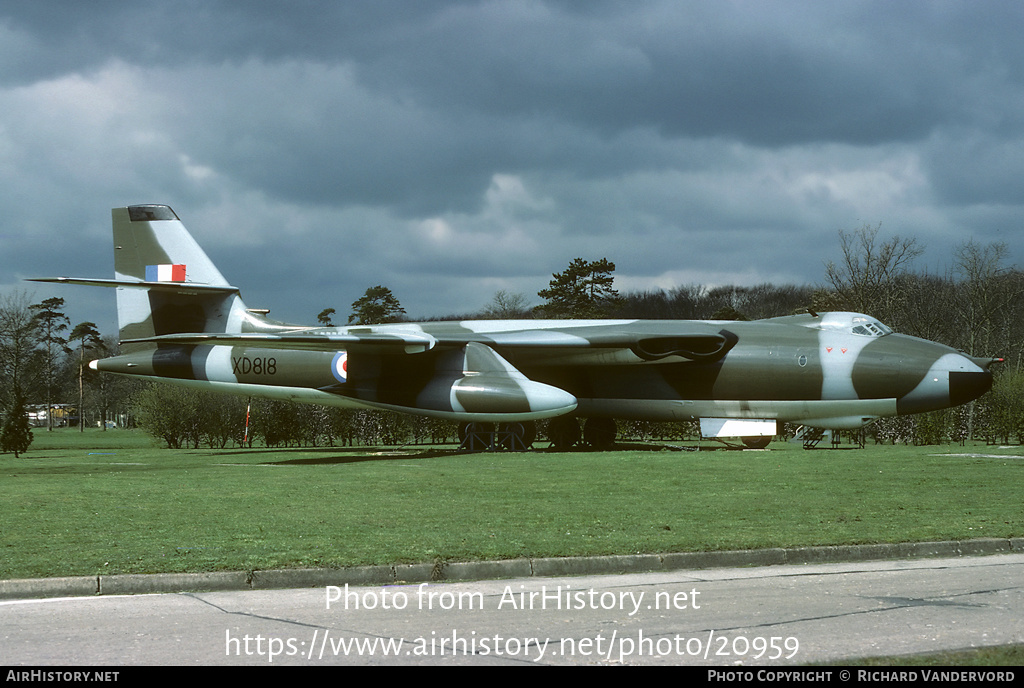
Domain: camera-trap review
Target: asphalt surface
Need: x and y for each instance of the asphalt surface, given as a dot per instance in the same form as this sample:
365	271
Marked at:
728	609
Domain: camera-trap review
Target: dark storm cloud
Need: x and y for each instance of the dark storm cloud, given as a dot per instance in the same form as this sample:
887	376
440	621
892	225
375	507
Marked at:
766	73
450	149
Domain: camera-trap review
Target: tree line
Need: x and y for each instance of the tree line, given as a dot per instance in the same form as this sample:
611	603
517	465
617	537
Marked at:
974	306
44	366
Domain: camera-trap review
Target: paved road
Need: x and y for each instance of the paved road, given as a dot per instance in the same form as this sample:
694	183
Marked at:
749	616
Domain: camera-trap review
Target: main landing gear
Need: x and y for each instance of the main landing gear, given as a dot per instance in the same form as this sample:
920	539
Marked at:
488	437
564	433
598	433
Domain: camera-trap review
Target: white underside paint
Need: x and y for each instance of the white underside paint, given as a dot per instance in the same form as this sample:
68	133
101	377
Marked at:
737	427
837	414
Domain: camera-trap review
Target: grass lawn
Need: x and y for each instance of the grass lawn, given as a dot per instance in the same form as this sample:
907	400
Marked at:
1003	655
115	502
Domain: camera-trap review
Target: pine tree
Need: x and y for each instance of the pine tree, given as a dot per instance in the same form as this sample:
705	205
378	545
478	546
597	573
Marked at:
324	318
582	290
15	434
52	324
377	305
89	338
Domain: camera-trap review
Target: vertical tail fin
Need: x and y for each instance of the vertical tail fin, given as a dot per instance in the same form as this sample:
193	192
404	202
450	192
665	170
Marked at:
150	236
183	292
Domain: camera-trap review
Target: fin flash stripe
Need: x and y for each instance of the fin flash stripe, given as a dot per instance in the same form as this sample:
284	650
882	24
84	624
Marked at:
165	273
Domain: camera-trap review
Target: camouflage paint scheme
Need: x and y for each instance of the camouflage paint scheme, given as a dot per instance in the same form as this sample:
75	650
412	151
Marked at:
830	370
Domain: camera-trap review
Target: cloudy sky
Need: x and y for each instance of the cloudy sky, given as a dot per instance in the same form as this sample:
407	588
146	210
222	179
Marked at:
449	149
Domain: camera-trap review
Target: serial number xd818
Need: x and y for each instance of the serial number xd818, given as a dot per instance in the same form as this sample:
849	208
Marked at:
254	366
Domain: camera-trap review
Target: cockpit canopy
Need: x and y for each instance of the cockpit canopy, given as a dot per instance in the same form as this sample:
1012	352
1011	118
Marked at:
854	323
867	326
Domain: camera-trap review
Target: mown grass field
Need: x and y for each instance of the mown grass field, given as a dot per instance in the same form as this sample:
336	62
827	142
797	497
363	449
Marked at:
115	502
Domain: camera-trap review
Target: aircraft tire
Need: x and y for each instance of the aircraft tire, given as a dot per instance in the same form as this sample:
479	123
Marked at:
524	434
599	433
476	441
756	442
563	432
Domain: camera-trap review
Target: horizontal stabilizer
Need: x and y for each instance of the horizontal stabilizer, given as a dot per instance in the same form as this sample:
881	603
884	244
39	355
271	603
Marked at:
175	287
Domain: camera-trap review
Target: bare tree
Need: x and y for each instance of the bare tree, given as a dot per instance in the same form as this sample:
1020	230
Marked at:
506	304
988	291
19	337
865	280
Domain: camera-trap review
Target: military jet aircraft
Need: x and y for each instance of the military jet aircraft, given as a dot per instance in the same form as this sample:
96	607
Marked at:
181	321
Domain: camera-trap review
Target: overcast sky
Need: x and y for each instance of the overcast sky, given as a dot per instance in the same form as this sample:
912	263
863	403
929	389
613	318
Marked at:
451	149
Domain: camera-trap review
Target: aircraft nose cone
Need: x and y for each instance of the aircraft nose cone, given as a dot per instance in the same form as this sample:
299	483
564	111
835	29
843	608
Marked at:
967	386
951	380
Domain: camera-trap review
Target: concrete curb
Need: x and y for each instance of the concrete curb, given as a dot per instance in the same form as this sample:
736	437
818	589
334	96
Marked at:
135	584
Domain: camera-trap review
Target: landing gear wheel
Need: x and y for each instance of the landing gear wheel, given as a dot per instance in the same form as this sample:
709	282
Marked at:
475	436
520	437
599	433
563	432
756	442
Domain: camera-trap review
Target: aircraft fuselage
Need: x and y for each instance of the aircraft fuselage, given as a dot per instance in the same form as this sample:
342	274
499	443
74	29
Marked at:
785	369
180	320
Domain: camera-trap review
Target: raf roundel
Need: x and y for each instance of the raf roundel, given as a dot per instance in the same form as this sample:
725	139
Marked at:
339	366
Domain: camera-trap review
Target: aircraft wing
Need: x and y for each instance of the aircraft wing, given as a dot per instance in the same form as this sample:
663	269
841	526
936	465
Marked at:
299	341
696	346
466	374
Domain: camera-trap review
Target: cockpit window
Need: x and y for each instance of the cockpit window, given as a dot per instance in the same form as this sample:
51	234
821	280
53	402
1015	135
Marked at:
868	327
850	323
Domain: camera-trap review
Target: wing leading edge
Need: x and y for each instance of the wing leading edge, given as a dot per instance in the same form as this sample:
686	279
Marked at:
698	347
